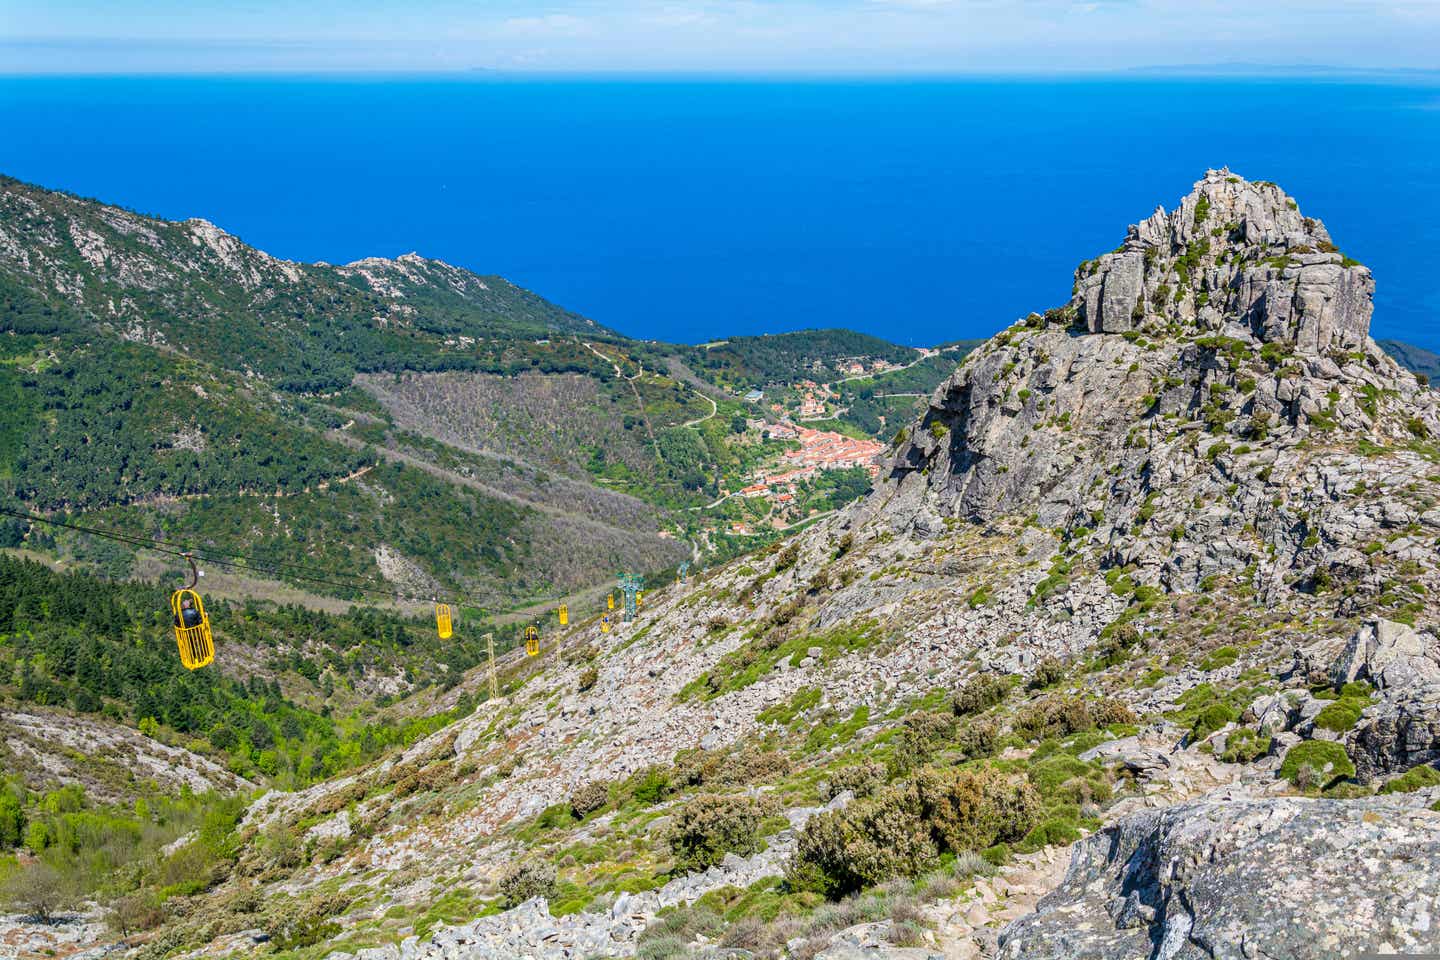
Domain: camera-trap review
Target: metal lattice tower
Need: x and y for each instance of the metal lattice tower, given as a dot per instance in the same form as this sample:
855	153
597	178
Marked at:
490	649
630	585
683	569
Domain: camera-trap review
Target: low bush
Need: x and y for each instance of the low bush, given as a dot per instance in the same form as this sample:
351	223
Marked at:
1341	715
1060	716
708	827
979	694
921	734
979	739
976	809
1058	830
650	785
903	830
869	841
861	779
1211	719
589	798
1219	657
1048	672
1416	778
750	765
1317	763
1245	746
525	881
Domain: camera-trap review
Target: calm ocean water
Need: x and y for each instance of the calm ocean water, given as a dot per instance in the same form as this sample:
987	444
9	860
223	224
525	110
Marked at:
684	210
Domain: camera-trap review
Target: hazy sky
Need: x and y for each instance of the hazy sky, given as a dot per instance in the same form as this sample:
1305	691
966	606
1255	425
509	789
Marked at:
884	36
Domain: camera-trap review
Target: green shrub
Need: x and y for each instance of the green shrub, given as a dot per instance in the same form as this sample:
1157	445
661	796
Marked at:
1061	778
869	841
921	734
1060	716
1245	746
1340	715
998	855
1416	778
588	678
978	739
750	765
589	798
524	881
1048	672
1219	657
1212	718
650	785
861	779
708	827
976	809
1055	831
979	694
1325	761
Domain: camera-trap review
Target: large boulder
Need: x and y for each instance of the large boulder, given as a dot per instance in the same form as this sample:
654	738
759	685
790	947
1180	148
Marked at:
1391	656
1402	729
1400	732
1286	877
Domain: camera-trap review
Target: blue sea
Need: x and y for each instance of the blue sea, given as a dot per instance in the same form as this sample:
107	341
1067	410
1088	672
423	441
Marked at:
685	210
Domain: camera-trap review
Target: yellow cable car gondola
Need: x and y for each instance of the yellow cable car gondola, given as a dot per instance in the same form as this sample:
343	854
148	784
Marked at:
532	641
640	598
442	621
605	623
564	615
610	601
192	626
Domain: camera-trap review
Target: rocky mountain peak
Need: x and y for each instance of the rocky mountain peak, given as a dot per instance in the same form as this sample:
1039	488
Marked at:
1203	406
1234	254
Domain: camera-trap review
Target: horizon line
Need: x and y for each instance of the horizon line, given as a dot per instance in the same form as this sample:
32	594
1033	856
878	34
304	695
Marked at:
1219	70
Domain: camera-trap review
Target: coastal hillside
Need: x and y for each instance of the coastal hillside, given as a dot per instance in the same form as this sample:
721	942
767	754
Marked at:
1137	620
336	445
171	382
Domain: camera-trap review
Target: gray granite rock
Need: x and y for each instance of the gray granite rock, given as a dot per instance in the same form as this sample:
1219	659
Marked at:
1287	877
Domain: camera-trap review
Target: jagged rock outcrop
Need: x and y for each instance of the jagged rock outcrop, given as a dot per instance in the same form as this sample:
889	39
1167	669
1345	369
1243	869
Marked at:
1287	877
1232	252
1401	730
1225	431
1390	656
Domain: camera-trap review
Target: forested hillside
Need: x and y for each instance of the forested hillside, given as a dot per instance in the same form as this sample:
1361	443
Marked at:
82	659
744	362
175	383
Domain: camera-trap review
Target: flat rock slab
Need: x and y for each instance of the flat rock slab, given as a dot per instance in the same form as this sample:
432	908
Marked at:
1286	877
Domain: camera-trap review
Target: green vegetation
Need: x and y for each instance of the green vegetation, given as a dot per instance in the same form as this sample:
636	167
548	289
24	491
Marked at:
740	363
708	827
1245	746
107	649
1416	778
903	830
1316	763
757	657
85	850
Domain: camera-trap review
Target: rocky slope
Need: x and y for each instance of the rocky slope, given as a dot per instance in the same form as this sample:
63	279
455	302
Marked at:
1161	560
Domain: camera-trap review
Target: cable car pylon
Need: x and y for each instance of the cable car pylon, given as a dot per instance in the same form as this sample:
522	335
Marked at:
490	651
630	587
